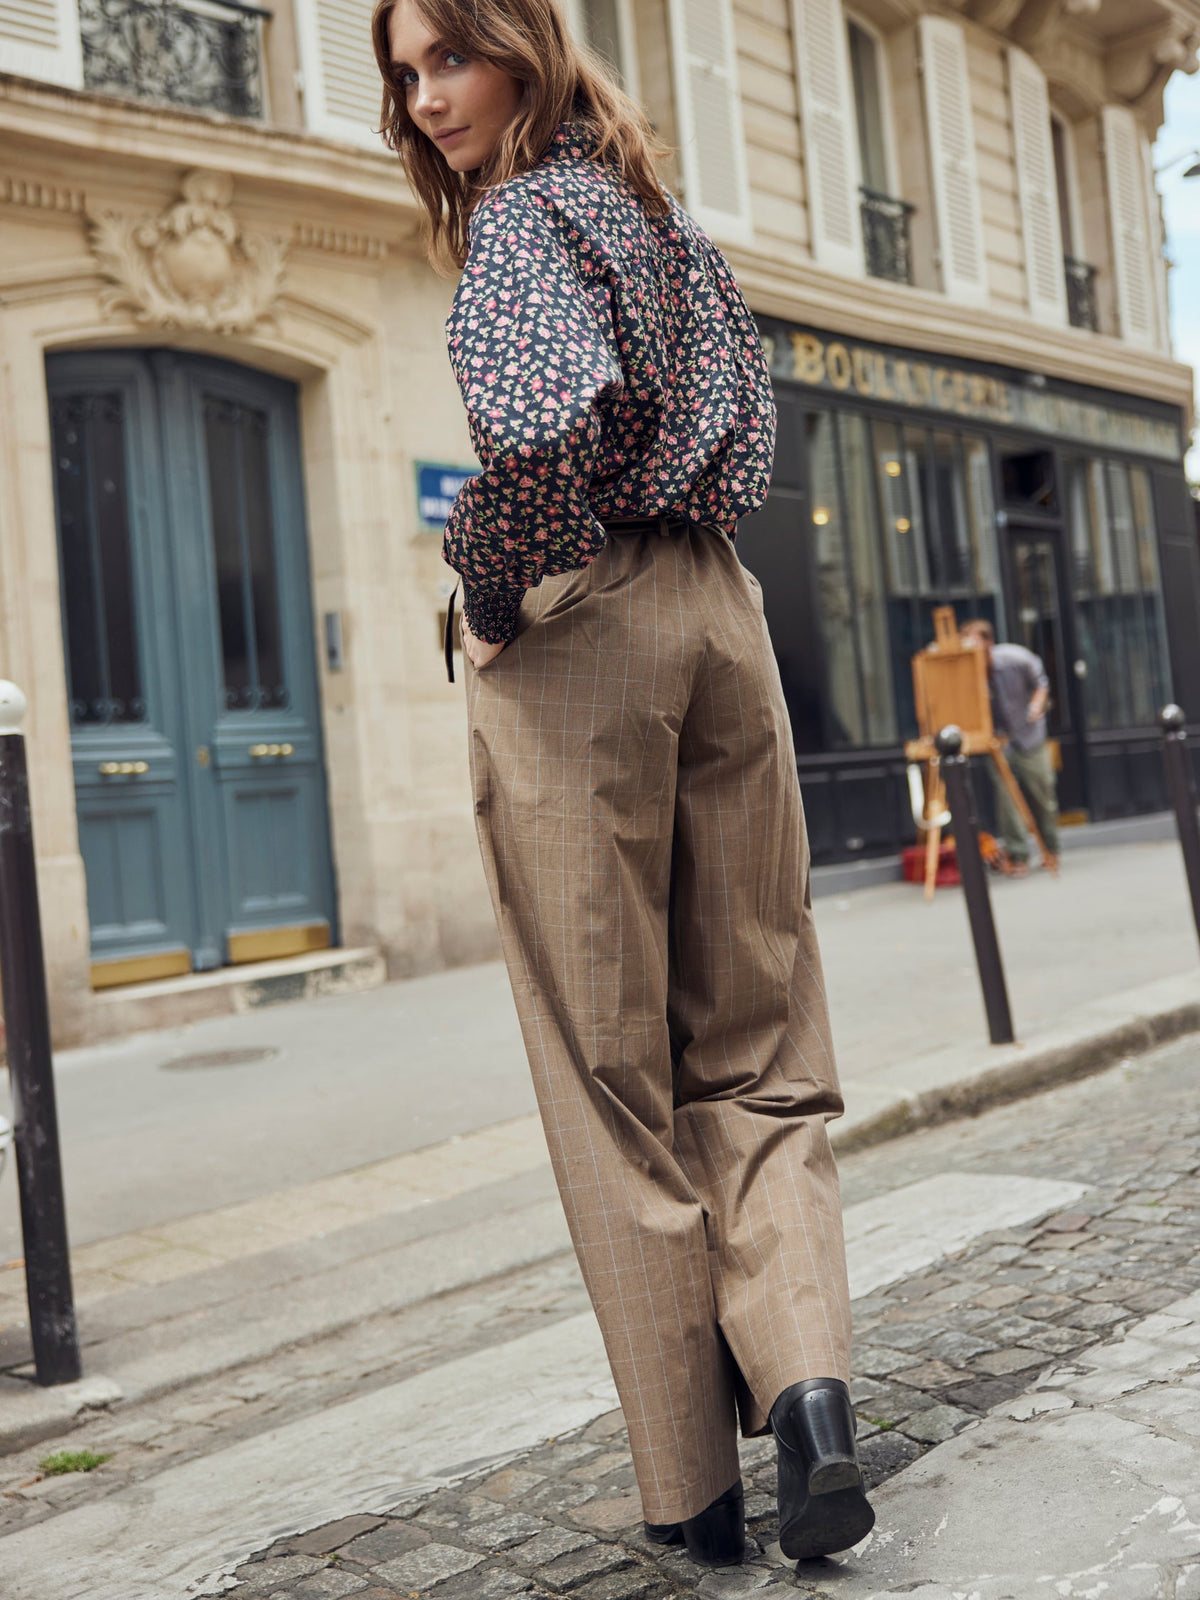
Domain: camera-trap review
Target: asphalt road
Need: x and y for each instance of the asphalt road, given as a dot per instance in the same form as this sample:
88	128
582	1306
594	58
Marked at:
355	1079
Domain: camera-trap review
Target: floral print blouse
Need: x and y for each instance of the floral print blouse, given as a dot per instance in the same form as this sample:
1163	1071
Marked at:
610	369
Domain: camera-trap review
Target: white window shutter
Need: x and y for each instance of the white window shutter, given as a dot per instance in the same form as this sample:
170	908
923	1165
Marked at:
1133	269
343	91
827	115
1158	247
40	39
952	159
712	142
1037	187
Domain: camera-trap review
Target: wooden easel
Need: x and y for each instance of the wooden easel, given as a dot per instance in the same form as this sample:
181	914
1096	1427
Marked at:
951	686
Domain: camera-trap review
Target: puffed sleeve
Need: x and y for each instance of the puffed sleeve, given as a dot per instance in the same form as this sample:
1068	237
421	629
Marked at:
532	348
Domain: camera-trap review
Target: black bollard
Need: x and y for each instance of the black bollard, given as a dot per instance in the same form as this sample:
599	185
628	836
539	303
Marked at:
27	1023
1182	790
971	870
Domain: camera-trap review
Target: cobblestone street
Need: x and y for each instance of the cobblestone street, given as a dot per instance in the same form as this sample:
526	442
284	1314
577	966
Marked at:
934	1354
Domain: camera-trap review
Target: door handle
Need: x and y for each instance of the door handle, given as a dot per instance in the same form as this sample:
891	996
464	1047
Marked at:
1081	670
123	769
260	751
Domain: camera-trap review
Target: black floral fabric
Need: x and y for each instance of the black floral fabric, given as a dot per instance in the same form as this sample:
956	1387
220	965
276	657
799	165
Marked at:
610	369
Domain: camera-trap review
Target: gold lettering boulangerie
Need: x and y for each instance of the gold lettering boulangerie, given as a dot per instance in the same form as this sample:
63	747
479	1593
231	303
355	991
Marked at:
883	375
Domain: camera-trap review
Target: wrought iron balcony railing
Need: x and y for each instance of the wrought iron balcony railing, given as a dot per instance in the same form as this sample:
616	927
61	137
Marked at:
885	235
205	55
1081	294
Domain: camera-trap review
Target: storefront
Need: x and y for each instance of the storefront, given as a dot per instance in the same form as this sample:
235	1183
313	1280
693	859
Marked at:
1058	512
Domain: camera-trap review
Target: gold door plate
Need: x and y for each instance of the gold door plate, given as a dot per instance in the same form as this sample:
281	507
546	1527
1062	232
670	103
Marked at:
271	944
141	969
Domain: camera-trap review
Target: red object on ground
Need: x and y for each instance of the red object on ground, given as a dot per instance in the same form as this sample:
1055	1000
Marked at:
912	860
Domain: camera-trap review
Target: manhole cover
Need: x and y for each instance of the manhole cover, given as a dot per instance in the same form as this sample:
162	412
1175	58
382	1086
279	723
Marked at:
220	1058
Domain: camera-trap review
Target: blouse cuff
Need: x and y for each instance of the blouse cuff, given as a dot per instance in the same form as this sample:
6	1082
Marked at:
491	613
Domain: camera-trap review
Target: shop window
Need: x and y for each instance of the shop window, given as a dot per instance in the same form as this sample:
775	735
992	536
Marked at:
1118	595
903	522
981	520
831	562
939	537
953	523
900	500
870	589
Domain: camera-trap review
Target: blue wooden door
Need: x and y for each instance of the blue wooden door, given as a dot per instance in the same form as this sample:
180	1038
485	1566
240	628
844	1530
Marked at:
191	662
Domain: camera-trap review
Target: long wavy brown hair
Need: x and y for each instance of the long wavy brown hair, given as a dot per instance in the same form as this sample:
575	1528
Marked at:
529	40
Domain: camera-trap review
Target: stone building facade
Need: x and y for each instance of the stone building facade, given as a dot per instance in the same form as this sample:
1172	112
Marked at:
228	435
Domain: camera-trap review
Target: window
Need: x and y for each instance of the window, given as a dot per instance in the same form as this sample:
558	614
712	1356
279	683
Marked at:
1064	181
831	560
103	649
1118	597
1082	310
885	219
903	521
866	75
607	25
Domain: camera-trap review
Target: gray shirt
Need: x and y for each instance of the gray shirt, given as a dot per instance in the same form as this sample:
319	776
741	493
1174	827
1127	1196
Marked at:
1013	676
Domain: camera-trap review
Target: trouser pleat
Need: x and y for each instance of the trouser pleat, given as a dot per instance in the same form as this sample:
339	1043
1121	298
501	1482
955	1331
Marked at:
641	830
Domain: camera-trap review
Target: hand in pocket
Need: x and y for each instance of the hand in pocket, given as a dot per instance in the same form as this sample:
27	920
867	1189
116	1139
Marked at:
479	653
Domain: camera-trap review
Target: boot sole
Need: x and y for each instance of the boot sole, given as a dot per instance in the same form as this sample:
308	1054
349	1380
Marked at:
829	1523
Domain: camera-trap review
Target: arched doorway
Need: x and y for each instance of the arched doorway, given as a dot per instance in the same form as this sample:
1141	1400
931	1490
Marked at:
191	668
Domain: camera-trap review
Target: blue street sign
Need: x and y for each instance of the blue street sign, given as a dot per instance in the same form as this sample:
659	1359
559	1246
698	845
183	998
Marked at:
437	486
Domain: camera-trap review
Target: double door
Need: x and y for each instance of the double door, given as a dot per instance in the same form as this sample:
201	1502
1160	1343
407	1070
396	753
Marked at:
195	732
1041	618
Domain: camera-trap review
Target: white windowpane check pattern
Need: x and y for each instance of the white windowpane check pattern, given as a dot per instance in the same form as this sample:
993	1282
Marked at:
641	828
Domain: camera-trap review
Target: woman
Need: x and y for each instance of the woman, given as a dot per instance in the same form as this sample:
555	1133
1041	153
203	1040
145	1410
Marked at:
635	786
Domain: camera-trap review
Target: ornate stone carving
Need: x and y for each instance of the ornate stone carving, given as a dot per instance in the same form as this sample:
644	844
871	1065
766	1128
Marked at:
193	266
42	196
339	241
1139	66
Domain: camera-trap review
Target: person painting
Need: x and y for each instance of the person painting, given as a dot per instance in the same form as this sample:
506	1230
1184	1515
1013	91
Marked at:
1020	692
635	785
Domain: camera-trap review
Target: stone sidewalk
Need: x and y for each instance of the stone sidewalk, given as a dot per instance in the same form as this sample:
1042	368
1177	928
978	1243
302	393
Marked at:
198	1286
1045	1382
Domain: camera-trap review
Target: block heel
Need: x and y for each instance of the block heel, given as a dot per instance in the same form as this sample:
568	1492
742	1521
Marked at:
822	1505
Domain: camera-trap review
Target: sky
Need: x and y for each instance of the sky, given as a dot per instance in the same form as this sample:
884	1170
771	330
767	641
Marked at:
1181	208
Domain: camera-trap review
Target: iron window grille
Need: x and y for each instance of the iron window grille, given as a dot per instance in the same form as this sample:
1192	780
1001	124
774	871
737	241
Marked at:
886	235
205	56
1082	310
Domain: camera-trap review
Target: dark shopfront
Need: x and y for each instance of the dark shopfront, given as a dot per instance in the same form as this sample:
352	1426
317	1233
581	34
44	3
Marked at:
1060	513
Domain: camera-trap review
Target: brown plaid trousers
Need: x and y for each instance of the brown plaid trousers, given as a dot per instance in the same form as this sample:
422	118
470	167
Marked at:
642	834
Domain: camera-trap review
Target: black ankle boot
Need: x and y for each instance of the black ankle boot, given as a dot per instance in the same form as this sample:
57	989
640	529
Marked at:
716	1537
822	1505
